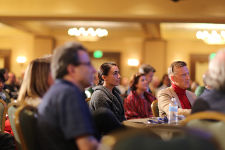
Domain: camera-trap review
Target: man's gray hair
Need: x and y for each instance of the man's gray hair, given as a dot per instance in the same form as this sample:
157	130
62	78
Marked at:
145	69
217	71
176	64
64	56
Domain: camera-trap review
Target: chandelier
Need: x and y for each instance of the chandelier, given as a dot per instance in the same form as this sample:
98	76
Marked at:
214	37
89	34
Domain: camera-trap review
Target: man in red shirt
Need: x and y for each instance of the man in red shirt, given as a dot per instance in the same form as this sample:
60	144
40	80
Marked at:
180	79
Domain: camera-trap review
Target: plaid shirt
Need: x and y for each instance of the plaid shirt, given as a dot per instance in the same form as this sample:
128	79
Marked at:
137	107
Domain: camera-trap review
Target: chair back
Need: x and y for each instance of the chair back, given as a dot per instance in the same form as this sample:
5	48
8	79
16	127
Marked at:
208	121
210	115
26	125
145	139
3	110
12	107
154	108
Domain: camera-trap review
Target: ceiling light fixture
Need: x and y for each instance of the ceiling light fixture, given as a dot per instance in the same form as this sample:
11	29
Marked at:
89	34
216	38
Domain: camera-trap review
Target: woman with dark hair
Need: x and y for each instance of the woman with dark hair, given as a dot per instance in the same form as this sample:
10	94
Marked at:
138	102
164	83
106	95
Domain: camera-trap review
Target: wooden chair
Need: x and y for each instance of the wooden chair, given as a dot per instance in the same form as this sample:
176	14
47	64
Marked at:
26	125
154	108
12	107
3	110
208	121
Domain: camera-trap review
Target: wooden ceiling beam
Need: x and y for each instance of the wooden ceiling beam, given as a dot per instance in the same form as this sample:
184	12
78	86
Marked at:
151	30
35	28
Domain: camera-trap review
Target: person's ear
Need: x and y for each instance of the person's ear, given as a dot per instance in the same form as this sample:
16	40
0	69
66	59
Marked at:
70	69
103	77
172	77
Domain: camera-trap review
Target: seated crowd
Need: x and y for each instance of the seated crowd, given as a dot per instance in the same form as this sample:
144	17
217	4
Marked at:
56	85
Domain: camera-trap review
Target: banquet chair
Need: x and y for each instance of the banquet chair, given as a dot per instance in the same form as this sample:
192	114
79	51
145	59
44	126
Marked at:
154	108
26	125
3	110
145	139
12	107
208	121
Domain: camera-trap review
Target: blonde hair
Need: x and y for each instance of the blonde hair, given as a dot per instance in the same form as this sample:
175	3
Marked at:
35	81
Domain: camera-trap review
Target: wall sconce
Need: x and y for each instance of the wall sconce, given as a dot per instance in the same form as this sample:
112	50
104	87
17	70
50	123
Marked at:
21	59
133	62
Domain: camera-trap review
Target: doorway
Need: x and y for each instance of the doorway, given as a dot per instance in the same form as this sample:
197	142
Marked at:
199	65
5	56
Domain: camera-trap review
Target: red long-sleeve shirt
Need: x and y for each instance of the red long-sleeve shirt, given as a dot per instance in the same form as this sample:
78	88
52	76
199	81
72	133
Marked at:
137	107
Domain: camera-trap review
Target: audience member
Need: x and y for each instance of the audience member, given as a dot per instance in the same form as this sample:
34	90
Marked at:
194	86
138	102
5	72
106	95
3	94
202	90
7	141
180	79
149	73
89	91
164	83
37	80
154	85
124	84
64	119
12	86
215	98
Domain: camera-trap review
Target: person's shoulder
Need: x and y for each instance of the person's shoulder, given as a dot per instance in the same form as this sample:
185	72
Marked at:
211	95
190	93
61	85
130	95
99	90
166	90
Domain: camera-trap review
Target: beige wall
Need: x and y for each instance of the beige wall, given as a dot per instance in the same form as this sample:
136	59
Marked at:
23	44
42	46
155	55
20	45
129	48
181	50
158	53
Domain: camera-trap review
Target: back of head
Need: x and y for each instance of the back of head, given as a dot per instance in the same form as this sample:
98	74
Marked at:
4	72
63	56
176	64
35	82
145	69
216	72
2	78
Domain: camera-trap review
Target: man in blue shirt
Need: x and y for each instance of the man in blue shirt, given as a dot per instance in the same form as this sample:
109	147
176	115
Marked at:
64	120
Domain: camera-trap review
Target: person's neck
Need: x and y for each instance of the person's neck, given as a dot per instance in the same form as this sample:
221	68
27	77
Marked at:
110	87
75	82
176	87
140	93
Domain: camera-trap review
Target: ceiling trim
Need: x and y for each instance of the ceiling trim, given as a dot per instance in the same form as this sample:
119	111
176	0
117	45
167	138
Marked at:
141	19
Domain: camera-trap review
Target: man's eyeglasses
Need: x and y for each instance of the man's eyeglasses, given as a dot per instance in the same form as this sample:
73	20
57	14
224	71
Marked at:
85	63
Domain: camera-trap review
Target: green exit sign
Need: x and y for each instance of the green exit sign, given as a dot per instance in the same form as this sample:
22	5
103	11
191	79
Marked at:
212	55
98	54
